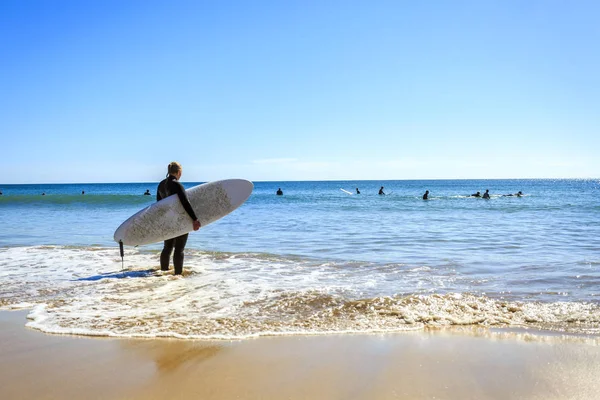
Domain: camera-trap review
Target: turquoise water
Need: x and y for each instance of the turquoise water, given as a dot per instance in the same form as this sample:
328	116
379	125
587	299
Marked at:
316	249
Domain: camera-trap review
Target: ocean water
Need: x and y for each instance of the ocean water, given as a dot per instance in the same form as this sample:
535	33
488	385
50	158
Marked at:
315	260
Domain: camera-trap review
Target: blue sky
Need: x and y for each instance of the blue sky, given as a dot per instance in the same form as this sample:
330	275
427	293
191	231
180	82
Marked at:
112	91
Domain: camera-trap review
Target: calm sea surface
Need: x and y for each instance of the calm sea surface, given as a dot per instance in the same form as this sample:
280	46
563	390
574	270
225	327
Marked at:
314	260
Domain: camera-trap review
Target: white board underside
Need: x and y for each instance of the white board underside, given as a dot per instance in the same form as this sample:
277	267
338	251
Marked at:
167	218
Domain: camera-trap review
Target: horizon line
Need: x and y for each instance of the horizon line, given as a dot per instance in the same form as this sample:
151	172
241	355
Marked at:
300	180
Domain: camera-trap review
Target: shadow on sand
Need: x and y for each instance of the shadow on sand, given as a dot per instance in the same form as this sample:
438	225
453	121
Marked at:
120	275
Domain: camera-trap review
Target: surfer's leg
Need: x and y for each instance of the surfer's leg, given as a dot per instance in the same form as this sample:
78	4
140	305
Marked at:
180	242
166	254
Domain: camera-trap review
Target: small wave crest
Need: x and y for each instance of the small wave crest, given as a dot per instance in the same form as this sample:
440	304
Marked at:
313	313
82	290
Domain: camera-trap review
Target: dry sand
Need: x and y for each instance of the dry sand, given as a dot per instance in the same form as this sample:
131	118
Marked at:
445	364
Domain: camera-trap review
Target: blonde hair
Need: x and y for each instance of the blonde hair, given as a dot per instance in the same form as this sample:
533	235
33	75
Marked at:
174	168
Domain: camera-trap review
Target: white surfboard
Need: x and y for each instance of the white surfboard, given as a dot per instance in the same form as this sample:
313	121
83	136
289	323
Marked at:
347	192
167	218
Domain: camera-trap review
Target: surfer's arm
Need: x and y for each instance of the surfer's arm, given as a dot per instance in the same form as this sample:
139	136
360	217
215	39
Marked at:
185	202
160	191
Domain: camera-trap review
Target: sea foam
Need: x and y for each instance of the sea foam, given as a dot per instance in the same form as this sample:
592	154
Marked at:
83	290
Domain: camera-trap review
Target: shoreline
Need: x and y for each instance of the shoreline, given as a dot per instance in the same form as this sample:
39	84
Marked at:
447	363
533	333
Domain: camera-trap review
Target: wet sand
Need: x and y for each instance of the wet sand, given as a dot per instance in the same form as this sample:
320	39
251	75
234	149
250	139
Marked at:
445	364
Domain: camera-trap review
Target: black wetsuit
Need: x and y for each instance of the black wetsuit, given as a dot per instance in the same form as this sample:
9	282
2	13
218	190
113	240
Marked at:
166	188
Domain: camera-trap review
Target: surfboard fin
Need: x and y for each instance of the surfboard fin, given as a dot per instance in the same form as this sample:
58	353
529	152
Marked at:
122	254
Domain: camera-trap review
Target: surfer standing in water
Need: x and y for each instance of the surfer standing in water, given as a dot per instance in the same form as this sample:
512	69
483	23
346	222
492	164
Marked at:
166	188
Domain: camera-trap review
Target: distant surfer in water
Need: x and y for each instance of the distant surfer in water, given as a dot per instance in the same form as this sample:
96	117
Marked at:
279	192
426	195
167	187
147	192
357	191
381	191
486	195
83	192
478	194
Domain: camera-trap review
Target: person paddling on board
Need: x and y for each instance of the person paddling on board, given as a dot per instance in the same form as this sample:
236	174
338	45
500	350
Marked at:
478	194
166	188
381	191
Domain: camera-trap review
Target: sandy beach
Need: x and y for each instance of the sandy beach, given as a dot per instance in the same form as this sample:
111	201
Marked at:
445	364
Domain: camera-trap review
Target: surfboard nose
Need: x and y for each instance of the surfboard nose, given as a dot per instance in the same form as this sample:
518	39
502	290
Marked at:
238	190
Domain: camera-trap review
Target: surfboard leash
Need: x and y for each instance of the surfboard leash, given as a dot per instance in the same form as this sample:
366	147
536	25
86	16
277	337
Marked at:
122	255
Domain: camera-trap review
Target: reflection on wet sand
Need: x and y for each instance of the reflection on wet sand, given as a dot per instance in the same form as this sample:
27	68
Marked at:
460	363
457	363
171	355
516	334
